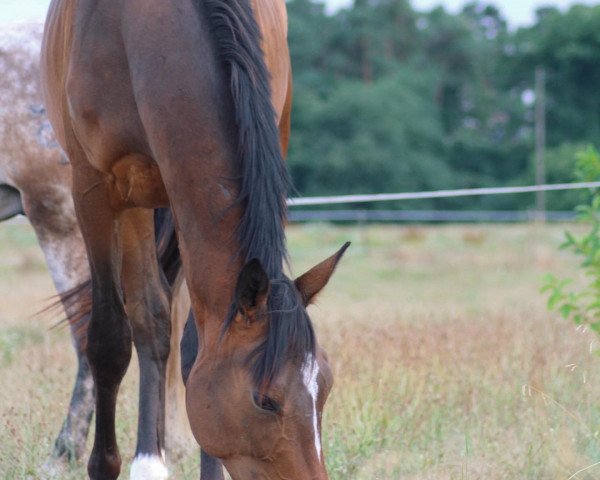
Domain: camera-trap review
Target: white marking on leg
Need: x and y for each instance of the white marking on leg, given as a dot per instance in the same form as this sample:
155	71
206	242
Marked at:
148	467
310	373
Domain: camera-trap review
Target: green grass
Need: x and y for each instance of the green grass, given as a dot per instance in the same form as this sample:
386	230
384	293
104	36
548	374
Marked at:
447	363
13	339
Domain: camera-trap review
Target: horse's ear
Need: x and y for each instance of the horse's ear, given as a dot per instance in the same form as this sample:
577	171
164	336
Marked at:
252	289
313	281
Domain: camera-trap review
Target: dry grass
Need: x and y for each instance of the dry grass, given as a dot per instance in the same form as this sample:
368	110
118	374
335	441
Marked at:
447	364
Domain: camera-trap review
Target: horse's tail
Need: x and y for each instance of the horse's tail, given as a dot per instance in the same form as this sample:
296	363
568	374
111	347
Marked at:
167	247
77	302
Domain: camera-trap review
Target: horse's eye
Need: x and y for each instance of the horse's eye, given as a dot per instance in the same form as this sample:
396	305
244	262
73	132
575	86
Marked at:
266	403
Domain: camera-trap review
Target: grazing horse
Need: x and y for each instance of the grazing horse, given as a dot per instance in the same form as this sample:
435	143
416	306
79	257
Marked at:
35	180
169	104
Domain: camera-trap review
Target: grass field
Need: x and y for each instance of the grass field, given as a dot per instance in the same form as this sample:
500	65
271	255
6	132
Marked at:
447	363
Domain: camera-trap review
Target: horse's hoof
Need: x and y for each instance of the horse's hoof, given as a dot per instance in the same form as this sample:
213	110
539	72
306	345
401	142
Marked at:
104	467
66	451
52	469
148	467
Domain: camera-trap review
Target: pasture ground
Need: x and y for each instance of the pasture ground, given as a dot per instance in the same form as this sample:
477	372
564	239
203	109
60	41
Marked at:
447	363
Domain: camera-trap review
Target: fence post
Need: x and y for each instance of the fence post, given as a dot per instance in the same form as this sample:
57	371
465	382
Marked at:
540	141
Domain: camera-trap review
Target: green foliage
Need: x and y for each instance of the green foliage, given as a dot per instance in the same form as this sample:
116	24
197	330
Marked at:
581	303
560	168
567	45
390	99
359	140
13	339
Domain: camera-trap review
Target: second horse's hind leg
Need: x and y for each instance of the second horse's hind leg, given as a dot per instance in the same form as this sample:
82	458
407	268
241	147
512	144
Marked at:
70	442
49	208
147	306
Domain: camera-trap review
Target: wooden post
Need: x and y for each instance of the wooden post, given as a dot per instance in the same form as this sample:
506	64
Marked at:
540	141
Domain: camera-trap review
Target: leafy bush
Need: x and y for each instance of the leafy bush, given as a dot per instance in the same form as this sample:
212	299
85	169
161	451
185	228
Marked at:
581	303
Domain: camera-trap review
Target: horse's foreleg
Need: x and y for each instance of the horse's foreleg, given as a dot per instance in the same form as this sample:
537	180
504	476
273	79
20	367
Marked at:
179	439
211	468
109	333
147	306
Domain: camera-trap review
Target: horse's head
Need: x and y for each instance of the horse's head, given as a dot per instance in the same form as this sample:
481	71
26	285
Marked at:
257	402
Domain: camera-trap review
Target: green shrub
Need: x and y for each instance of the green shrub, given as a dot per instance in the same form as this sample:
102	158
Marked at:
581	303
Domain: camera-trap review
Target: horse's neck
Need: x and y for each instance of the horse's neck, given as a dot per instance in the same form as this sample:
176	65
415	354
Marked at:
208	244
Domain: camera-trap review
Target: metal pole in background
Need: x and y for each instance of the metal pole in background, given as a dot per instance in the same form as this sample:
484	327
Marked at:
540	141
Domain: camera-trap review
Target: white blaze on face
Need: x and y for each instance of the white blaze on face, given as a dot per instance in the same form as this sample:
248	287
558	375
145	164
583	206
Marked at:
148	467
310	373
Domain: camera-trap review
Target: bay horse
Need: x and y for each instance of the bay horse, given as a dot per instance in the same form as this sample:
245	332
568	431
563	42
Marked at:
178	104
35	180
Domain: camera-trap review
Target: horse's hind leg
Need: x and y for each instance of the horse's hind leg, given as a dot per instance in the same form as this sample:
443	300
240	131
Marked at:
70	441
109	333
147	306
49	208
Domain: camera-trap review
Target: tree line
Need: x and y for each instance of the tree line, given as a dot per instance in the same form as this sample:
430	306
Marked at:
388	99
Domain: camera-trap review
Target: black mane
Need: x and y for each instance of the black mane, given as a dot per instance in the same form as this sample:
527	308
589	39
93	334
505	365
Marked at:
290	335
264	183
264	179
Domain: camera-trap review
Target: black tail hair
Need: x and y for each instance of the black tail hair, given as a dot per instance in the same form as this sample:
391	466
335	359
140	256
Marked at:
167	246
